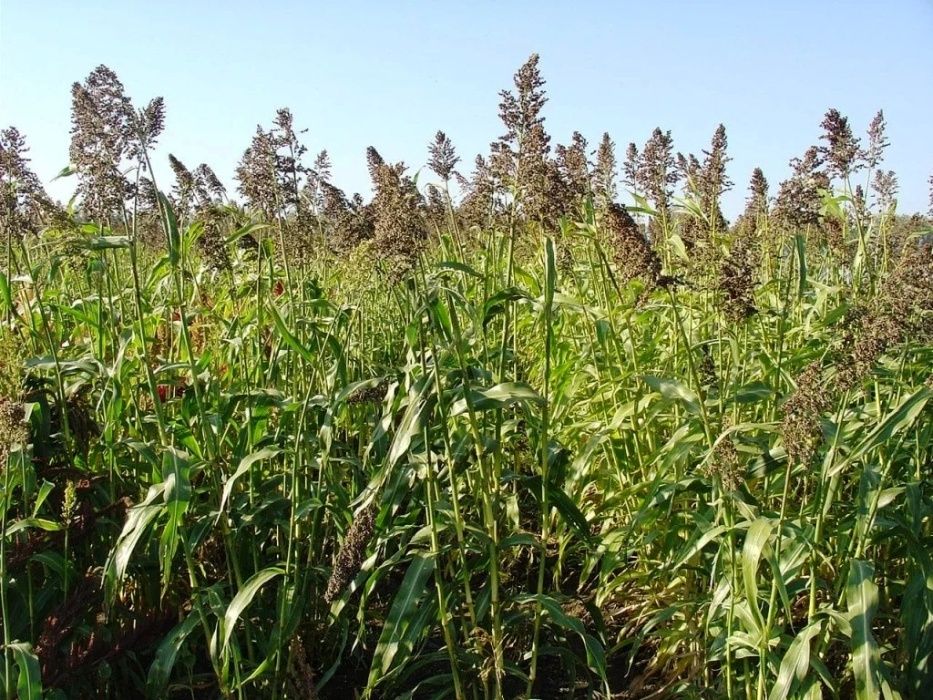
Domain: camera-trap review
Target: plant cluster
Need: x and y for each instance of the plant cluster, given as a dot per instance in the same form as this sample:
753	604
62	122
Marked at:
494	436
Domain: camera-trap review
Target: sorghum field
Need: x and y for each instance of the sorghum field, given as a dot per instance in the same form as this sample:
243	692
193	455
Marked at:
525	441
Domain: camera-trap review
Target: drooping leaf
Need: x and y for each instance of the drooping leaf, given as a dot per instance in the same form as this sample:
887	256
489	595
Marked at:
243	598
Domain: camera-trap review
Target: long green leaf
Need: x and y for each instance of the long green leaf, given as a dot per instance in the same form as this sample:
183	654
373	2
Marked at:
161	669
29	681
795	663
862	600
137	523
755	541
402	615
245	464
243	598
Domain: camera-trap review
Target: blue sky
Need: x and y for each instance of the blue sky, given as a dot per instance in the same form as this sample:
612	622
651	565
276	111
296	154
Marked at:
390	74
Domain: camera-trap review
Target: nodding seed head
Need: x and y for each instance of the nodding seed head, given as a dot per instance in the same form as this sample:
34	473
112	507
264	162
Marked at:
352	552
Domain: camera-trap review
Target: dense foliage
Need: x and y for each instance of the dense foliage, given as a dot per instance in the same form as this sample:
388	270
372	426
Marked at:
523	442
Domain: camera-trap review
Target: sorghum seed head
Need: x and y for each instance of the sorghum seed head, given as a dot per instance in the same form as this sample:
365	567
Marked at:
351	553
801	427
605	173
632	253
842	147
443	156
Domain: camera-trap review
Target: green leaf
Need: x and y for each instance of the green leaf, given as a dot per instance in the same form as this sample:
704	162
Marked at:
595	654
137	523
758	535
862	600
244	466
6	293
290	339
897	420
795	663
38	523
29	682
412	422
676	391
801	243
243	598
245	230
498	396
497	302
175	470
459	267
174	240
396	634
161	669
107	242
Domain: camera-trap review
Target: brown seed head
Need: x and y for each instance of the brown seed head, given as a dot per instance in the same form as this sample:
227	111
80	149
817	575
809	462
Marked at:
351	553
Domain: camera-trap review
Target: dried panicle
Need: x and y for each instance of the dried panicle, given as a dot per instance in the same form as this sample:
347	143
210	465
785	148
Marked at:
573	167
706	370
101	138
756	207
443	158
757	202
374	161
348	222
84	428
630	167
322	166
605	173
877	141
725	464
287	156
519	159
351	553
211	242
713	180
12	427
535	176
842	147
373	394
930	210
521	109
399	230
656	176
257	174
478	204
737	278
689	170
146	125
300	673
799	200
11	364
435	207
901	312
885	186
188	192
24	203
801	427
860	203
12	417
632	253
211	182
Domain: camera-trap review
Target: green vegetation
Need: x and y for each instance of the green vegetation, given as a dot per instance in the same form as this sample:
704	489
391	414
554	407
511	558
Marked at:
524	442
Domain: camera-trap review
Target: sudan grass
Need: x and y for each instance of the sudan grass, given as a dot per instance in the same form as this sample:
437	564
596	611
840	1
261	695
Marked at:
530	458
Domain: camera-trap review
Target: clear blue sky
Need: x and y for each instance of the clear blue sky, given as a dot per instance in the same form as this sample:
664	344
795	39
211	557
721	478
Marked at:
391	73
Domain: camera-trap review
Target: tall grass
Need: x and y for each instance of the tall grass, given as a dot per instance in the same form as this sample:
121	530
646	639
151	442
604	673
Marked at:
514	470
